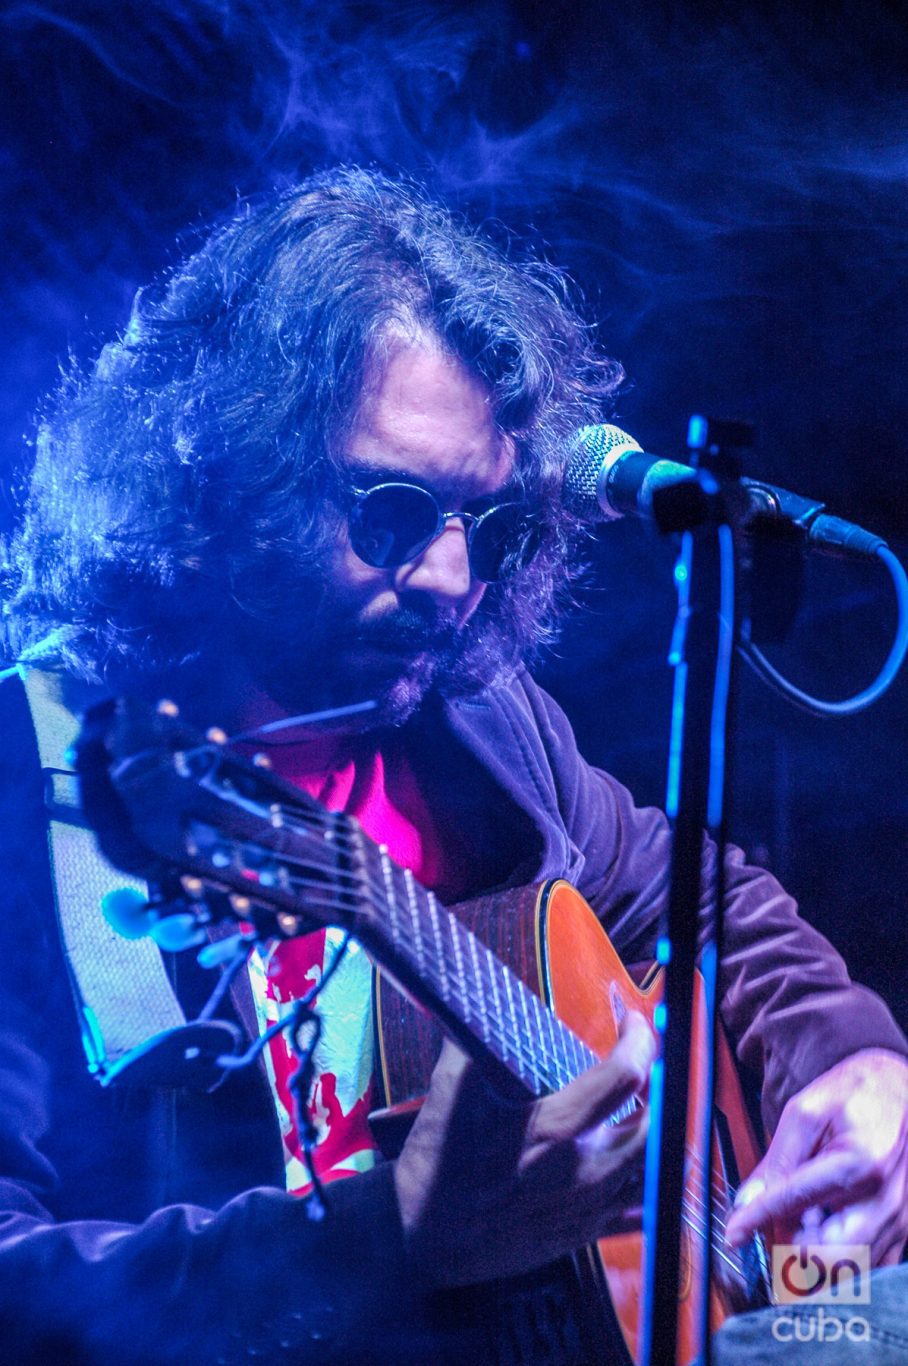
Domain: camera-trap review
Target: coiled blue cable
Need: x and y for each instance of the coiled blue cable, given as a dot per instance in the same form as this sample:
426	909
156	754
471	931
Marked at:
884	679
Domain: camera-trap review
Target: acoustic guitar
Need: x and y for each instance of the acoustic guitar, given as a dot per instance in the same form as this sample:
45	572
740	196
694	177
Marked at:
527	982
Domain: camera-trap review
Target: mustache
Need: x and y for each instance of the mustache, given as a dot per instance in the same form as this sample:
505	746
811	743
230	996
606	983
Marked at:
411	629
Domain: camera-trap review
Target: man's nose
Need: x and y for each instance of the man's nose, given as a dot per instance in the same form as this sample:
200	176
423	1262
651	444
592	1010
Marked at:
443	568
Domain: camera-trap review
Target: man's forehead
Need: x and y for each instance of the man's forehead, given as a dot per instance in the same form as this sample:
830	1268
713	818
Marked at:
425	417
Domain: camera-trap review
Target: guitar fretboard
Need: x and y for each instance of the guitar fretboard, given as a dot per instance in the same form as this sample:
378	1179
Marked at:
424	943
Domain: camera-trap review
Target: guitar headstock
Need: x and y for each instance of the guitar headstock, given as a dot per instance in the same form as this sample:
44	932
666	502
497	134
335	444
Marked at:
167	802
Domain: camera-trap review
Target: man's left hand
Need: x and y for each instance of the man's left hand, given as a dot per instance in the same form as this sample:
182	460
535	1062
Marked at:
836	1170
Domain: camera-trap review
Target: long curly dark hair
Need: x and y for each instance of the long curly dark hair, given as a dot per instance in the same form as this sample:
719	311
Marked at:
194	470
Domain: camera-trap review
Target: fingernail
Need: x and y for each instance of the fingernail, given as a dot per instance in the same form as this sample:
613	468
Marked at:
749	1191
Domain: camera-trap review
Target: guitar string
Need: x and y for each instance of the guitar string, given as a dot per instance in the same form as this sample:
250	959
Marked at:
348	839
569	1054
529	1055
694	1188
319	819
692	1200
521	1049
348	834
723	1192
717	1237
340	898
694	1204
329	822
717	1247
718	1242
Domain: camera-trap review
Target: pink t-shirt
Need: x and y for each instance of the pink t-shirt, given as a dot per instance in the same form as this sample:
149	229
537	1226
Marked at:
378	787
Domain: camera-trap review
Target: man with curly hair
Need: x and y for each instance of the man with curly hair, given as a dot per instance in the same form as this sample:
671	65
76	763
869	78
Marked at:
323	466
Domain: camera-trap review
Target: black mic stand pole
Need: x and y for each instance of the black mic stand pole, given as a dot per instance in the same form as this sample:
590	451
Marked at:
701	654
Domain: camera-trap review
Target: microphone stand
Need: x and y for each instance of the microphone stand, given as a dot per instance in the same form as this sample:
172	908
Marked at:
702	655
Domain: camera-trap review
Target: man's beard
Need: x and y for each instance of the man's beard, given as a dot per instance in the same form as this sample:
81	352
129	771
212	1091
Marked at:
311	663
420	647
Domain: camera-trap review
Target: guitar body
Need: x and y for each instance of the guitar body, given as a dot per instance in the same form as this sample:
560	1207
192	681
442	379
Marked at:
553	941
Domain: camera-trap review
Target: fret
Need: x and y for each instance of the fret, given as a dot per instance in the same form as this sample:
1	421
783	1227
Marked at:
496	1004
496	1027
362	861
439	944
403	903
415	920
457	934
577	1057
585	1057
509	996
504	1034
559	1044
480	993
527	1038
387	868
549	1038
543	1039
524	996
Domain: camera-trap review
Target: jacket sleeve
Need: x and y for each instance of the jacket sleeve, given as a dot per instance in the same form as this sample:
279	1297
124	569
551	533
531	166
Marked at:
255	1278
786	998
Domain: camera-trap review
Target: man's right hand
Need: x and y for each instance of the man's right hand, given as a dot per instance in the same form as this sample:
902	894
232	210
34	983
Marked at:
488	1189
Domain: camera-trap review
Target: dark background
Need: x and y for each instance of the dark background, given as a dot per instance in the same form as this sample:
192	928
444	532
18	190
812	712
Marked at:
727	185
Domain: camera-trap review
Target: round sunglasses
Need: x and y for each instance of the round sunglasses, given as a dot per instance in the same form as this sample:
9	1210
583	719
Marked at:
391	524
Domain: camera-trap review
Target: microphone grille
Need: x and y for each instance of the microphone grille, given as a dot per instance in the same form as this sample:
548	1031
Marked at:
594	451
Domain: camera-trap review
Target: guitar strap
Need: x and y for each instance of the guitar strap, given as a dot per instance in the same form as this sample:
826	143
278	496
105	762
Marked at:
121	989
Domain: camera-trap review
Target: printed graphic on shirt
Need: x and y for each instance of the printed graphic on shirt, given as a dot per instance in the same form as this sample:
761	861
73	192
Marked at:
381	791
341	1095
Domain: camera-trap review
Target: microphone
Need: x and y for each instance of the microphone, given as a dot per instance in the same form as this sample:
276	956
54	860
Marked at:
609	475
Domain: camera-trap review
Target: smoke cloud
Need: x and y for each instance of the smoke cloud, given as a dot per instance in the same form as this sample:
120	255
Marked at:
671	160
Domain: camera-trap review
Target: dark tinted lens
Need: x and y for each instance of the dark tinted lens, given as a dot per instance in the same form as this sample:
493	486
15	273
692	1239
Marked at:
504	540
392	523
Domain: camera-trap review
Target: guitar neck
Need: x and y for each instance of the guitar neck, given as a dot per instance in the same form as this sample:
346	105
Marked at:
436	959
224	820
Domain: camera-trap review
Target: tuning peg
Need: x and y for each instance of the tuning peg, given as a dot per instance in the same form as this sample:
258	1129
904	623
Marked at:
177	932
128	913
167	708
224	950
215	736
